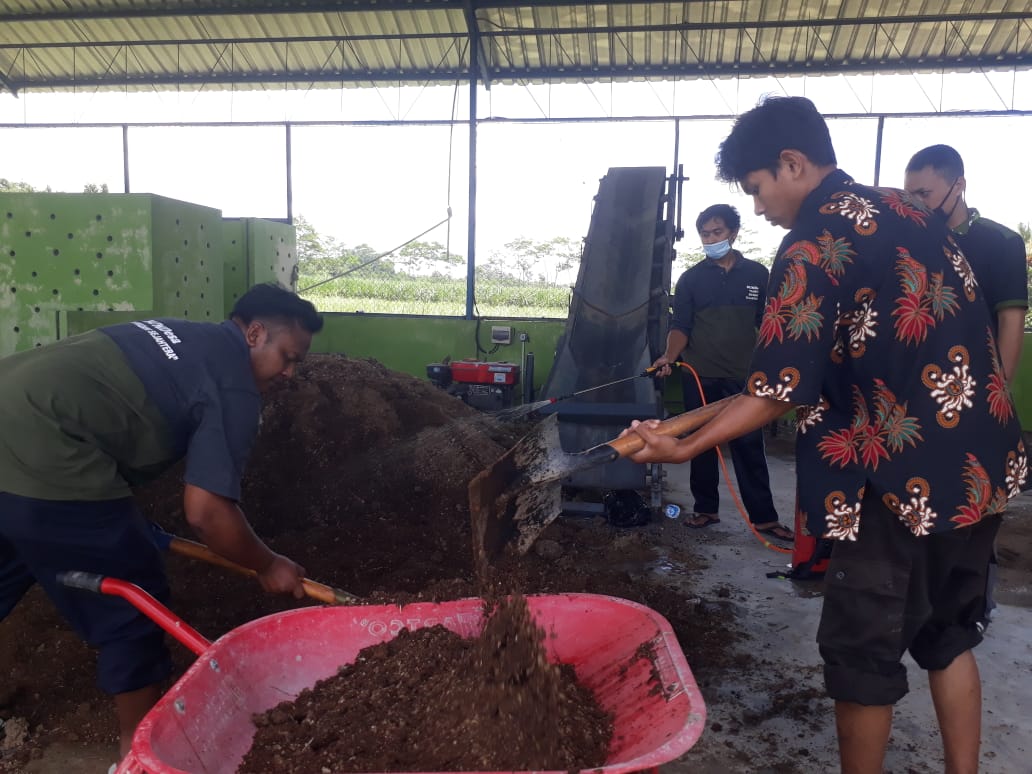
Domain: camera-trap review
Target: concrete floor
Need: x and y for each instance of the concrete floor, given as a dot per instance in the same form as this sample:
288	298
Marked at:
768	714
771	715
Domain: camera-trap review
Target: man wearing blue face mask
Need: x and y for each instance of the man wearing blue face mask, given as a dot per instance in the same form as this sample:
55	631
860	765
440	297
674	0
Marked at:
718	305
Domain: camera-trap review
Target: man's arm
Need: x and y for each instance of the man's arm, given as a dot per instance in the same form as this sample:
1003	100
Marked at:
221	525
745	414
1011	324
676	341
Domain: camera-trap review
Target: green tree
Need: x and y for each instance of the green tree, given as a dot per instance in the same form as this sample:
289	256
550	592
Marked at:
92	188
421	258
310	243
567	253
532	261
14	186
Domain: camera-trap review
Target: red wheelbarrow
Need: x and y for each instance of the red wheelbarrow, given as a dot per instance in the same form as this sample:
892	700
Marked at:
624	652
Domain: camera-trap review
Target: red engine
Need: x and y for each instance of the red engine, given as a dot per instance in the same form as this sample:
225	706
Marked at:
488	386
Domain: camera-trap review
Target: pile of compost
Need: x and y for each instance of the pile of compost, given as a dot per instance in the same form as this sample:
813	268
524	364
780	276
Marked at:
430	700
360	474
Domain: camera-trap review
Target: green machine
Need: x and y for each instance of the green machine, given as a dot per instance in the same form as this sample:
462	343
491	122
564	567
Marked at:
256	250
73	262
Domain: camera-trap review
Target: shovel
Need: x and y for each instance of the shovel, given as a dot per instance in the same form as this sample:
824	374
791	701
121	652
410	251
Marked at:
177	545
520	494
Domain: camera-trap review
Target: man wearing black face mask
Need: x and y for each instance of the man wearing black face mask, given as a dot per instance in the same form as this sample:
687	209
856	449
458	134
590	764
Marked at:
935	177
718	305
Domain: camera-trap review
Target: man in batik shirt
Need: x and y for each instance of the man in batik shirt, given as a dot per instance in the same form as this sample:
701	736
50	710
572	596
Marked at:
907	448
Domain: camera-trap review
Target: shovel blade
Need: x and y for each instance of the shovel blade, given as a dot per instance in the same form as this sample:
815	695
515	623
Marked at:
519	495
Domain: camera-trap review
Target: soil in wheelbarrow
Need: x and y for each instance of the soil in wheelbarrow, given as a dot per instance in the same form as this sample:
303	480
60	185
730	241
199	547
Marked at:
359	473
430	700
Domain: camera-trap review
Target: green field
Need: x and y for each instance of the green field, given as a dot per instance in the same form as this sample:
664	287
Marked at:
400	294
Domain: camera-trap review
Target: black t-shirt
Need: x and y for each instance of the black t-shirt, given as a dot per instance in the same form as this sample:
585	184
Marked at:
997	257
199	377
719	311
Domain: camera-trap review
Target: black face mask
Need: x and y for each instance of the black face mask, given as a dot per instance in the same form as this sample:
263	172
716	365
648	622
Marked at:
940	211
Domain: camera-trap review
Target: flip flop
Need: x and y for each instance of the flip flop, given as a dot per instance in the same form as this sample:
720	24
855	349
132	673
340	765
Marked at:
700	520
778	532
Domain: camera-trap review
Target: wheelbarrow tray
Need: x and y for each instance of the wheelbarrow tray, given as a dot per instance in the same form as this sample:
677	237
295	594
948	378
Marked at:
624	652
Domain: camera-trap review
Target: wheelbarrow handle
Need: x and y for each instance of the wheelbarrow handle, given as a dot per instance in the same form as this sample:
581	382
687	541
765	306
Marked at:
142	601
177	545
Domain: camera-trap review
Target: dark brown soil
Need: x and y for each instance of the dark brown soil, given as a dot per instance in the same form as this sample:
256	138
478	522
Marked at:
360	473
429	700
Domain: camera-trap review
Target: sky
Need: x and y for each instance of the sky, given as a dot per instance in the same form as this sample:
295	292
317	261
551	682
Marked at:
382	185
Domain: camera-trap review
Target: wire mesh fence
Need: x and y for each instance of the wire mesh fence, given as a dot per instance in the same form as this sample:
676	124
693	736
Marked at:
421	278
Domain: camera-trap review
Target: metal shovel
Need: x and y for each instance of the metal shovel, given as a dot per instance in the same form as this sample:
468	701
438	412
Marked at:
520	494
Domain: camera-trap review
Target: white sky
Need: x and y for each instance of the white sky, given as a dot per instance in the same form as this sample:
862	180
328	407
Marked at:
383	185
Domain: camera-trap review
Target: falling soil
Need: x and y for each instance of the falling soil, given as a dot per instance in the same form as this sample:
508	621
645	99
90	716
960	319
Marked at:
430	700
360	474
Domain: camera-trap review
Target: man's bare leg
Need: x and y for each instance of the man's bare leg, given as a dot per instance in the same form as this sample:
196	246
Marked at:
863	735
131	707
957	695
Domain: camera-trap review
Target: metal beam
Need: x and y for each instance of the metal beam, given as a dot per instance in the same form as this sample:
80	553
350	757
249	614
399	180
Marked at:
554	31
203	78
758	24
337	39
477	55
499	120
471	227
268	7
580	73
265	8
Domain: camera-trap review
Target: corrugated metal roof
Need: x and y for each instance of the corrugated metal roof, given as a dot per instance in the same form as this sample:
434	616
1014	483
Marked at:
66	44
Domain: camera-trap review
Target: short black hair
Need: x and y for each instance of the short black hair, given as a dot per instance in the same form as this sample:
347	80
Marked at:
774	125
944	159
725	212
270	301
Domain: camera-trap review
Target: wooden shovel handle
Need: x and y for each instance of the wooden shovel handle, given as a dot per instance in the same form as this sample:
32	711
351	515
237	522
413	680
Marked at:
678	425
318	591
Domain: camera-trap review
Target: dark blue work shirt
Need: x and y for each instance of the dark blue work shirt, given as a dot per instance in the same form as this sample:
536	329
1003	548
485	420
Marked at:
719	311
199	377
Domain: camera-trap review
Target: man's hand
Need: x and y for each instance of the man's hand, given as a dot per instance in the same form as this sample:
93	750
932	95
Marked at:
662	365
658	448
283	576
743	415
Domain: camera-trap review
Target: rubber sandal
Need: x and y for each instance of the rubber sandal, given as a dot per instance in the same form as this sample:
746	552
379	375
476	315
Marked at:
700	520
778	532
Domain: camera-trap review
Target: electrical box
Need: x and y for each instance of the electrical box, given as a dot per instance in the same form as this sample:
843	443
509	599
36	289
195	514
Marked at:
501	334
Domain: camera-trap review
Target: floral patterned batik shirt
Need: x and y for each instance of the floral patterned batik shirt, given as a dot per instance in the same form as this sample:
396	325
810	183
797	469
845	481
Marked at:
876	329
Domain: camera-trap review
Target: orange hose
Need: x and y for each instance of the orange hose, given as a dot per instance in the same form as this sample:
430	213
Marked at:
727	476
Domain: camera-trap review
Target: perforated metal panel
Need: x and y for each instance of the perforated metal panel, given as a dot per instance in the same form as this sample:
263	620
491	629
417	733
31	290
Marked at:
272	249
62	252
73	262
187	243
235	267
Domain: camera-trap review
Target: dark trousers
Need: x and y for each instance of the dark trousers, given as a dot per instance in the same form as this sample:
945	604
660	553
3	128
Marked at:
747	453
41	538
889	592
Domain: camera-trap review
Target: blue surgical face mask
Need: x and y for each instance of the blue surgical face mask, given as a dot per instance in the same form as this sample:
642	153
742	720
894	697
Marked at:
717	250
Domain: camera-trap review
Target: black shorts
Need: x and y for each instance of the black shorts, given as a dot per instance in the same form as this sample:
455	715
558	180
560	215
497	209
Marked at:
890	592
41	538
